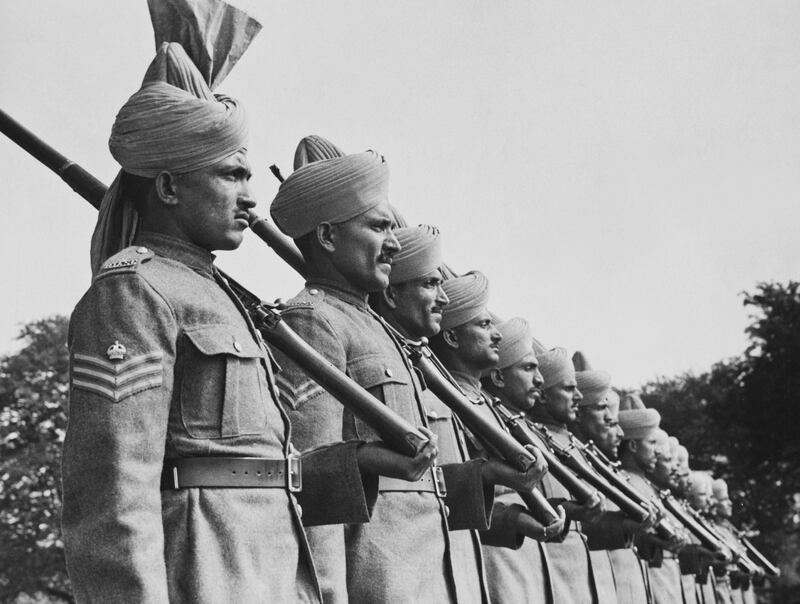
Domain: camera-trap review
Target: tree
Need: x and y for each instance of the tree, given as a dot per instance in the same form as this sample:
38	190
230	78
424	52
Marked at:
34	386
741	420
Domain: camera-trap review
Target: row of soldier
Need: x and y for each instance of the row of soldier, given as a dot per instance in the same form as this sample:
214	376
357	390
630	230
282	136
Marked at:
181	470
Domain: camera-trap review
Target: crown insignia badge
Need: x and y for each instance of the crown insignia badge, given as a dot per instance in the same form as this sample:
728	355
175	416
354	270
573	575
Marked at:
116	352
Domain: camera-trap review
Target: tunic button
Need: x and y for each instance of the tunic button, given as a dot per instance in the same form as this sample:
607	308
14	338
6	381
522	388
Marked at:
433	415
389	372
446	510
142	250
313	292
237	346
299	509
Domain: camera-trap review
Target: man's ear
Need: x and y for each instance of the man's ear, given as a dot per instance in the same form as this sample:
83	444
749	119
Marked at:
326	237
390	297
633	446
450	338
496	375
166	189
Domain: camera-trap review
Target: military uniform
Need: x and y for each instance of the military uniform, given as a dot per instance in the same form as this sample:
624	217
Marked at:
166	369
606	534
516	567
666	583
403	554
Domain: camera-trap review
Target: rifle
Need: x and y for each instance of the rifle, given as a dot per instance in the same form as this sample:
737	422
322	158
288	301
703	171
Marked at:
738	551
633	507
444	386
682	512
393	429
756	555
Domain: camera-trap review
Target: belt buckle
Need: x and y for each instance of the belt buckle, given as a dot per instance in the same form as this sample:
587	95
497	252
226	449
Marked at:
439	484
294	473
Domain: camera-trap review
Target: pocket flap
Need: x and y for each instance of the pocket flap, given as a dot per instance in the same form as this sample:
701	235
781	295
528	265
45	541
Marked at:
374	370
224	339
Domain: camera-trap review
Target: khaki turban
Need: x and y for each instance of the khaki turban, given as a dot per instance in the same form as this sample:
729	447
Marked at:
420	253
700	483
516	343
315	148
555	366
330	190
636	421
174	122
673	447
469	297
593	384
720	489
662	442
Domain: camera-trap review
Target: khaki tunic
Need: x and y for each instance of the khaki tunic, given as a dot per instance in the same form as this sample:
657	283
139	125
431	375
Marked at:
404	553
194	380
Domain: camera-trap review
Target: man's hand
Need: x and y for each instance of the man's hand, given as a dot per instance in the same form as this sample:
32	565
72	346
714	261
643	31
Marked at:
587	511
499	472
530	527
376	458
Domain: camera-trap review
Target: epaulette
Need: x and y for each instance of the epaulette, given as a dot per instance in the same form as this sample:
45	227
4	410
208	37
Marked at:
126	261
308	298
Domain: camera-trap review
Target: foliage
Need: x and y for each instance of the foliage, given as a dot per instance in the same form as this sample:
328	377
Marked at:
33	407
740	420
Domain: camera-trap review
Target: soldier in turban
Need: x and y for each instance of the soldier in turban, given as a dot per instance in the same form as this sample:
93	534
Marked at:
180	481
414	303
335	207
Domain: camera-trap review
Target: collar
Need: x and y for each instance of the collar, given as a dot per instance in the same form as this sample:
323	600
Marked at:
346	293
177	249
471	385
541	416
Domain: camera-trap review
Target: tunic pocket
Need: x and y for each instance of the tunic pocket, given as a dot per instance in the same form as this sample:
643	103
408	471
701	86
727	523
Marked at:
388	381
222	382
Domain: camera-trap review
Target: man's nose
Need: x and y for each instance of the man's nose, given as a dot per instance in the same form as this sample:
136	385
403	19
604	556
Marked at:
441	297
538	379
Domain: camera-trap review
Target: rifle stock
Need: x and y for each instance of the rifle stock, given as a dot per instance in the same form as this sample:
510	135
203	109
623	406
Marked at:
396	431
768	566
499	441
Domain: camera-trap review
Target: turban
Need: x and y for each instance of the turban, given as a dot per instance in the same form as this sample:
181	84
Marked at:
683	456
636	421
555	366
314	148
420	253
700	483
673	447
720	489
174	122
516	343
592	383
330	190
469	297
662	442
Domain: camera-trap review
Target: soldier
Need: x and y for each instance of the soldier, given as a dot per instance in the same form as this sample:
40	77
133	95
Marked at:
575	574
517	575
413	304
738	584
597	421
638	457
178	470
337	212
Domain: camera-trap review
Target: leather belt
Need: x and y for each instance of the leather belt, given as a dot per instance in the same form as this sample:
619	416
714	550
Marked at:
668	555
233	472
431	482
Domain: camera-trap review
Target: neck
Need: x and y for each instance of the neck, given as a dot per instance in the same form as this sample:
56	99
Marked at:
627	462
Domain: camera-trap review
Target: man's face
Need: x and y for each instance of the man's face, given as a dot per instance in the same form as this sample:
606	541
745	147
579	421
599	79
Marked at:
213	203
722	504
419	303
644	452
522	382
561	401
613	437
595	421
699	499
664	473
363	248
478	342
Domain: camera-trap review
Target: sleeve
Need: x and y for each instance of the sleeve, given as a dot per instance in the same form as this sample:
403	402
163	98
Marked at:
334	489
502	531
606	531
469	500
122	352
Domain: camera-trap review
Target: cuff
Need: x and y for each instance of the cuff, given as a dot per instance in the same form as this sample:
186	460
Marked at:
468	499
503	530
334	490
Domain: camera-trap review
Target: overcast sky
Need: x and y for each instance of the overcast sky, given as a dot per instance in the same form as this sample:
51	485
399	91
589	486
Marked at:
621	171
